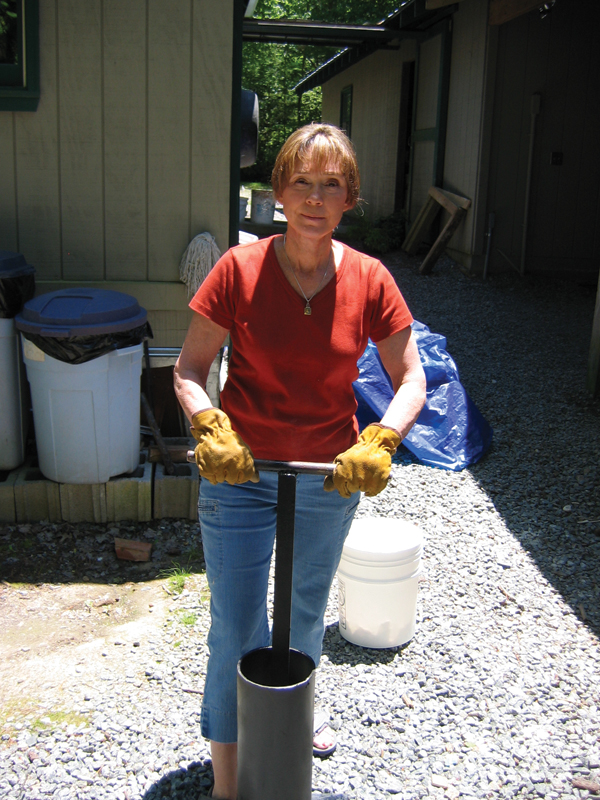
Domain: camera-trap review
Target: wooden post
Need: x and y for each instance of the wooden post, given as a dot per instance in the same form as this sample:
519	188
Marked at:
423	222
437	199
593	376
438	247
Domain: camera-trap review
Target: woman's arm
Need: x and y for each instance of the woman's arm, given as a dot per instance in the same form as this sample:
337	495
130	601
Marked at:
202	343
400	357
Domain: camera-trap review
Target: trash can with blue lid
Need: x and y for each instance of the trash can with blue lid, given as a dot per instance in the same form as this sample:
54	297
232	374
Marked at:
17	285
83	353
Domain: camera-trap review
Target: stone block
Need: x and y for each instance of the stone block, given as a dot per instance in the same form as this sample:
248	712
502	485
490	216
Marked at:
133	549
176	495
130	496
83	502
7	496
36	497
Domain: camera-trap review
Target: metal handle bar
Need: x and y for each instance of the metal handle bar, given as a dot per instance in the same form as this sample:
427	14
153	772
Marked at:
305	467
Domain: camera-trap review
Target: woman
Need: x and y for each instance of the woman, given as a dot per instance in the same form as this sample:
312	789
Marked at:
300	309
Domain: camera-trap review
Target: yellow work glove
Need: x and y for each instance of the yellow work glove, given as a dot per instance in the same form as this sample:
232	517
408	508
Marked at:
366	466
221	454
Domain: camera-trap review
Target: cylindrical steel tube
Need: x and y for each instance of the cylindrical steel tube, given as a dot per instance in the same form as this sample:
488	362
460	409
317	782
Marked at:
275	727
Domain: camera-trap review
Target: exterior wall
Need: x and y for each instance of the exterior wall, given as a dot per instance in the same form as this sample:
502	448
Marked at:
127	157
557	57
375	118
466	150
426	117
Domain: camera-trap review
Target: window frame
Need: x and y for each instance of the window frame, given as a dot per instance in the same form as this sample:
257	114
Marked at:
25	95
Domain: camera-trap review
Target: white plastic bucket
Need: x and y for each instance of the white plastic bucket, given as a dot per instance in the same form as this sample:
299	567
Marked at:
378	578
86	416
262	209
13	414
243	208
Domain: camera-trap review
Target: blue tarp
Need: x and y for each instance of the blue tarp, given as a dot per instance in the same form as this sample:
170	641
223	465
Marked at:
451	432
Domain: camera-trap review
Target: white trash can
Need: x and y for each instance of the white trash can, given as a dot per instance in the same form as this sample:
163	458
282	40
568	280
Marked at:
378	578
86	415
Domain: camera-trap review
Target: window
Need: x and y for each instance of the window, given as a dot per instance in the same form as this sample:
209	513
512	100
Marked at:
19	55
346	110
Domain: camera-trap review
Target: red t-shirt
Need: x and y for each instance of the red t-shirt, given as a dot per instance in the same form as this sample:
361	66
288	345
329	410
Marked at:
289	389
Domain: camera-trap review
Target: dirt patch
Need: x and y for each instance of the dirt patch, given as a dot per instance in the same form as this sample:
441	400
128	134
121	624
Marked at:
69	607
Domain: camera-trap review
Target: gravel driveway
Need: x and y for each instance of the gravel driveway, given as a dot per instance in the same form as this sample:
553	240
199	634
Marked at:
498	693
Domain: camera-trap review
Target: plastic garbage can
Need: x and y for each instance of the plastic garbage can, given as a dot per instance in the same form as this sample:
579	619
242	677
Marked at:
83	354
378	578
17	285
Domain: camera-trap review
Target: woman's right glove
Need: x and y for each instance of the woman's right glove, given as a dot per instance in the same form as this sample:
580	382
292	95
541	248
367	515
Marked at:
365	467
221	454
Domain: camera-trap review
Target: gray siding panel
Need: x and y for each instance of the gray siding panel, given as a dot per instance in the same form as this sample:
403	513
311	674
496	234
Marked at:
80	129
38	164
125	153
127	156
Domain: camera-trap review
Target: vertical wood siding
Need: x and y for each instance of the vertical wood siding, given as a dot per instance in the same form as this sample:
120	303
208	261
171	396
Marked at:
464	168
127	157
559	58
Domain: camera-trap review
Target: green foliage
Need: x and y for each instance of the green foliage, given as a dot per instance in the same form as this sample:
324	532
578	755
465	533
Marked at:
272	71
187	617
378	236
8	32
176	577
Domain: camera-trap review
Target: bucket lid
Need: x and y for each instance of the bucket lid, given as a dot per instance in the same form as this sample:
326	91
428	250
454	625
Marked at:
383	539
80	312
13	265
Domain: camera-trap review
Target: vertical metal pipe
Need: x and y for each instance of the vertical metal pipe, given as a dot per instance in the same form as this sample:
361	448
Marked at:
535	110
284	561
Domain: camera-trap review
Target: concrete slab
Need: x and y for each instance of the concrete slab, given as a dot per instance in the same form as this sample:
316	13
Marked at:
130	496
7	496
176	495
36	497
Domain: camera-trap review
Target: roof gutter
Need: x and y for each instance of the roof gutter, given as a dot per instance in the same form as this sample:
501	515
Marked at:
319	33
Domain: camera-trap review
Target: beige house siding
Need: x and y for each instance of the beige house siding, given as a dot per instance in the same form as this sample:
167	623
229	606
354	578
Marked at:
127	156
375	117
467	134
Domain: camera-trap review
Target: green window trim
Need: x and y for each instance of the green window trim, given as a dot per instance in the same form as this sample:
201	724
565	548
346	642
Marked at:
20	84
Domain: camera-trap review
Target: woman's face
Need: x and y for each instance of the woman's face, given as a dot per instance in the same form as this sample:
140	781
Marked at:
314	199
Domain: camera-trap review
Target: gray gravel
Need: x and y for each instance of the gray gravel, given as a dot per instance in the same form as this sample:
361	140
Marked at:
497	695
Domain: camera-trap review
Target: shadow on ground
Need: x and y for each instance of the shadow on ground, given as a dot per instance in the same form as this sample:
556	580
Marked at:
194	781
522	348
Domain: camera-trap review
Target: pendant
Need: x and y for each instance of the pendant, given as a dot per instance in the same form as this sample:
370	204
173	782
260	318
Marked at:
307	309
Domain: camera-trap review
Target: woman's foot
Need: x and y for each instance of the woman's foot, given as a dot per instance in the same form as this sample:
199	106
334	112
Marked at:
324	739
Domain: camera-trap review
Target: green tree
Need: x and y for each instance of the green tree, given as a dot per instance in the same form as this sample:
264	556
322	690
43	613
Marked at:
272	70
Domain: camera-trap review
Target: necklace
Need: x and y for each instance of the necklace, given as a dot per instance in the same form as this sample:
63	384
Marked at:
307	308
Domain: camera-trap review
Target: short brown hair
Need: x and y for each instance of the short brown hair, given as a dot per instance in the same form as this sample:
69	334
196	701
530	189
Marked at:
319	144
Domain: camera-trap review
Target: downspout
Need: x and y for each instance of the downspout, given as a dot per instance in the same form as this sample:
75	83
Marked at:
535	110
239	9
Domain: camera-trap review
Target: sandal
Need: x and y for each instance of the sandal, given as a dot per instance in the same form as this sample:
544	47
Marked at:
324	739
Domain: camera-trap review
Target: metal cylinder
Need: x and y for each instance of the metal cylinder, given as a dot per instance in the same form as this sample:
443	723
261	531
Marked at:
275	726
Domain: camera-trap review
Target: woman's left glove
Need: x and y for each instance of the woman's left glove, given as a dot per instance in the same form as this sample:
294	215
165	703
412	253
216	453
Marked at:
366	466
221	453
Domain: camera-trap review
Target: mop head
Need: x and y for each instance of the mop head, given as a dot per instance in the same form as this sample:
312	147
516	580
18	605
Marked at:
199	258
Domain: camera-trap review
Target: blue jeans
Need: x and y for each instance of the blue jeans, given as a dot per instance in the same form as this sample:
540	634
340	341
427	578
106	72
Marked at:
238	532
